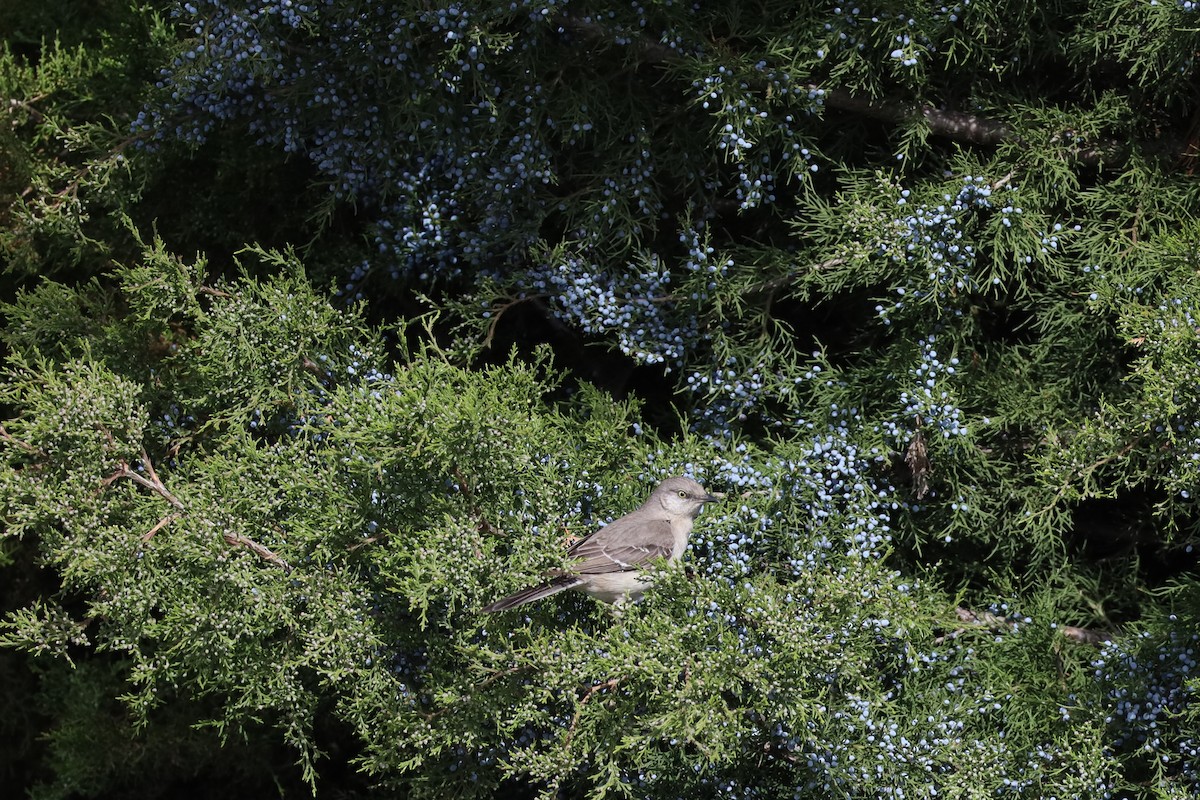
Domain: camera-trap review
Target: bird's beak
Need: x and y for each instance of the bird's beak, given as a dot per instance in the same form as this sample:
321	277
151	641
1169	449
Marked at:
712	497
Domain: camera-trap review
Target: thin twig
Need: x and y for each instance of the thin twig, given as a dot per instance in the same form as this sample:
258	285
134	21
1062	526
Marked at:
611	683
774	284
155	484
513	301
162	523
238	540
26	446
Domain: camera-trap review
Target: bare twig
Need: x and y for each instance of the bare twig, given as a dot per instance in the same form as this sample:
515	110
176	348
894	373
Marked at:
238	540
1084	635
34	114
162	523
152	483
512	301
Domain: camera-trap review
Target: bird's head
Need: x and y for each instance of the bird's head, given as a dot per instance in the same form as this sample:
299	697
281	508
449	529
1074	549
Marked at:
681	497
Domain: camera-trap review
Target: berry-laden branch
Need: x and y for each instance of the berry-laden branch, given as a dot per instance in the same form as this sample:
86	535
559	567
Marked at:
611	683
956	125
990	621
152	482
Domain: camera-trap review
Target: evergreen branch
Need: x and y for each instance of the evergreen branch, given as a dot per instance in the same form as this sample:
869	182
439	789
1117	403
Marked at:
429	716
771	286
994	622
956	125
1083	473
27	106
611	683
5	436
952	124
155	484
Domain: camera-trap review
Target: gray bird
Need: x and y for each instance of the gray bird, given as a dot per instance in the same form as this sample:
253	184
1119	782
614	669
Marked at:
609	563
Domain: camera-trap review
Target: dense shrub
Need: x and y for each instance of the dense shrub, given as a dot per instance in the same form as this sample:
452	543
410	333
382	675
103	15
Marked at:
916	287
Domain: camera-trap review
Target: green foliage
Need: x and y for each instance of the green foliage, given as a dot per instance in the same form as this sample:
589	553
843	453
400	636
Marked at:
63	153
916	287
276	545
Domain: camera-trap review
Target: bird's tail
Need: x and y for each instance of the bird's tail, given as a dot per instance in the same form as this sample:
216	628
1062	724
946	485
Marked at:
553	586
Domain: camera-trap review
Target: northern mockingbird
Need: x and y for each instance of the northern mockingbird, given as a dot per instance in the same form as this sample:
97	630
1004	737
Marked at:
609	564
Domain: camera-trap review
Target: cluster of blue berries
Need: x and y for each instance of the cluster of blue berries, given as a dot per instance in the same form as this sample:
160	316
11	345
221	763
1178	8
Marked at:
1151	685
930	243
930	399
449	188
635	306
855	28
760	137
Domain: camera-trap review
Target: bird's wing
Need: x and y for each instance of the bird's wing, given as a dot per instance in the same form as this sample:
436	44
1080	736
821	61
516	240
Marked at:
623	545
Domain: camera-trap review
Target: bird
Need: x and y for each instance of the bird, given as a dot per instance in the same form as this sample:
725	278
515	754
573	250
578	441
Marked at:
609	563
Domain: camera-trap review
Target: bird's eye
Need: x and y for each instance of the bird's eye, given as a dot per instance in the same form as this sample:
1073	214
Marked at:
682	493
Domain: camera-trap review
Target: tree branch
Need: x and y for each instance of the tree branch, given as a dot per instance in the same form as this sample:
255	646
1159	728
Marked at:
986	619
955	125
611	683
5	436
152	482
238	540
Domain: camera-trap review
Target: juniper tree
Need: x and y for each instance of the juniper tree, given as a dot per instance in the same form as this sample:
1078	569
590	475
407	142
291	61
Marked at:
918	284
262	525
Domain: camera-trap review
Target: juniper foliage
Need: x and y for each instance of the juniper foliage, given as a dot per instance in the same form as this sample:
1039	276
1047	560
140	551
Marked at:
916	286
262	522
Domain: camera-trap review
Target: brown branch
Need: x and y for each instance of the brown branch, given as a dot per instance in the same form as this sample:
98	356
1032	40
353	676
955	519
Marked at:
917	459
162	523
365	542
987	620
34	114
155	484
512	301
310	366
1084	635
238	540
611	683
951	124
5	436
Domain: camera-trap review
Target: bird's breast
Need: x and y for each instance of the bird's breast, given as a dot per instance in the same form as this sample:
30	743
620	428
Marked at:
613	586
